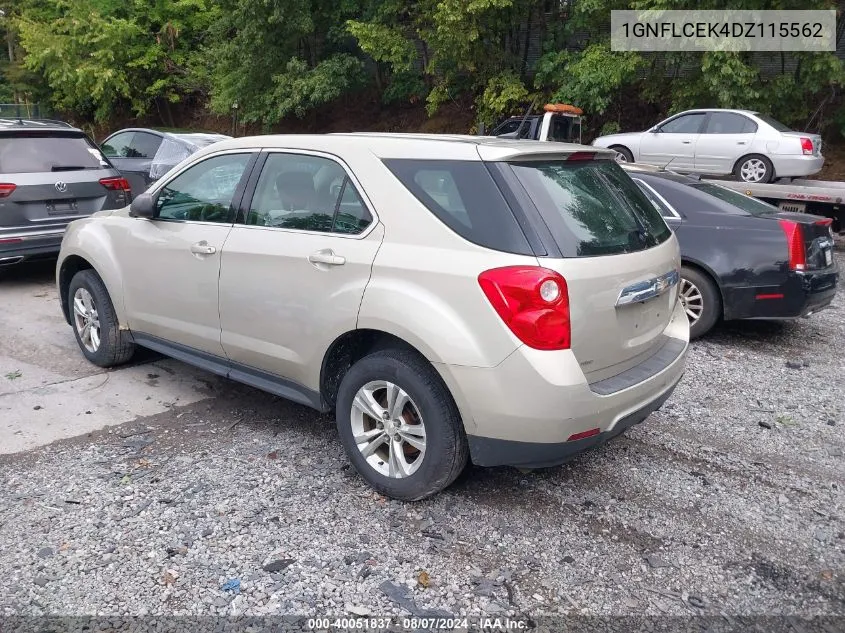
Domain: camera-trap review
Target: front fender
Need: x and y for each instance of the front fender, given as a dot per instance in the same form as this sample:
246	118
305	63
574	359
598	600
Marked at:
90	240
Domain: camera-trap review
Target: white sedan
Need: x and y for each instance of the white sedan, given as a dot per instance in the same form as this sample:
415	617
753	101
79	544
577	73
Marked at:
750	145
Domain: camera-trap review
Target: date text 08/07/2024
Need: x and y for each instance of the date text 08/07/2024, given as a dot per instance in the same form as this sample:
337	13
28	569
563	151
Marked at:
480	624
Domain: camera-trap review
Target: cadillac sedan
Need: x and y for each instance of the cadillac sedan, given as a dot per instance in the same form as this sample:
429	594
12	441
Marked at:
750	145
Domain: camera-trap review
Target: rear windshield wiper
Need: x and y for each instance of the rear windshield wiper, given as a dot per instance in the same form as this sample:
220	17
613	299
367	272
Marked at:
68	167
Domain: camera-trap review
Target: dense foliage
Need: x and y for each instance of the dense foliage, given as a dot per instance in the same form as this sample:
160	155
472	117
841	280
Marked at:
270	59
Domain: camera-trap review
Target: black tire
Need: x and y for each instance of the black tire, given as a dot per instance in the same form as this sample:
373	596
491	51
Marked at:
624	151
768	175
446	450
116	346
711	301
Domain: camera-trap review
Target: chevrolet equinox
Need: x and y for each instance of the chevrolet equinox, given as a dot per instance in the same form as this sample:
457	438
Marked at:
449	297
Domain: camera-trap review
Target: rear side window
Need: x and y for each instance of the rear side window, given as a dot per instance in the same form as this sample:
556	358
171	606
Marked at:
34	153
592	207
464	196
729	123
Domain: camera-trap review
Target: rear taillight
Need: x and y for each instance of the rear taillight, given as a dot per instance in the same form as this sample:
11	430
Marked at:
824	222
533	302
115	184
6	189
806	145
795	244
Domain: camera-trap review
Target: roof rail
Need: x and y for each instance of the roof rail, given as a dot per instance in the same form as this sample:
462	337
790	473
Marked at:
26	121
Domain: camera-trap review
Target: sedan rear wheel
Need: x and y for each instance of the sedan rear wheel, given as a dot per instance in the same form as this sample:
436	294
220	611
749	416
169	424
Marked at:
701	301
755	169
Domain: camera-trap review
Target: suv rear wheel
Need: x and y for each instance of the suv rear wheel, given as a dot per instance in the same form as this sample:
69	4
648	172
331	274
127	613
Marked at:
399	425
95	323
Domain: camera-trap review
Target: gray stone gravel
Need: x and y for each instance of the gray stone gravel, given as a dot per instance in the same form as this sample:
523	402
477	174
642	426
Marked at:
701	510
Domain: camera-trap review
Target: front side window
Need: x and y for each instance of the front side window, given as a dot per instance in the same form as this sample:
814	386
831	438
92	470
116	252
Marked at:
204	192
685	124
308	193
592	207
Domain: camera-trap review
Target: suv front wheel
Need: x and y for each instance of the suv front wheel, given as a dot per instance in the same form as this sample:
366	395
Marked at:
400	426
95	323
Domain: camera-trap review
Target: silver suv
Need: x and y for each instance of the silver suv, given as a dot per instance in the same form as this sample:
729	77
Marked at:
50	174
447	297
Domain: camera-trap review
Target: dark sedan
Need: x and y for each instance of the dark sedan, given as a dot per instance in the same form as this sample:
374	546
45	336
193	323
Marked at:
144	155
742	258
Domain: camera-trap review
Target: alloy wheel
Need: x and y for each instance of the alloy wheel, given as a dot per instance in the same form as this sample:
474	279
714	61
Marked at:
753	170
691	300
388	429
86	320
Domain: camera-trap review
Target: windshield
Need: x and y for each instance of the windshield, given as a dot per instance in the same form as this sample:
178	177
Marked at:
780	127
592	207
34	153
739	200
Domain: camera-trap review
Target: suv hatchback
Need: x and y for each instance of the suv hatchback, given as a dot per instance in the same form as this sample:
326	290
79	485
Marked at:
447	296
50	174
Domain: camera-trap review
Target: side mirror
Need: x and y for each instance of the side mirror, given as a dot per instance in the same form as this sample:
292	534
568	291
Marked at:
143	206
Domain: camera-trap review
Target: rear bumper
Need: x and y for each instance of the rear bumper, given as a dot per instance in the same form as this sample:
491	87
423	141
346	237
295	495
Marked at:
523	411
17	246
794	165
802	294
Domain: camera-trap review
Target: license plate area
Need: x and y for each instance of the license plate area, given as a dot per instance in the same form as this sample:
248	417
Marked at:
62	207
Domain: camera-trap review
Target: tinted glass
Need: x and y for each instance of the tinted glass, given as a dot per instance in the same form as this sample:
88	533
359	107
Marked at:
780	127
204	192
512	125
117	146
730	123
687	124
464	196
33	153
308	193
736	199
592	207
144	145
657	202
563	130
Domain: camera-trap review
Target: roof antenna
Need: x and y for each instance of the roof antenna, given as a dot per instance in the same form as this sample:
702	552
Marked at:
525	118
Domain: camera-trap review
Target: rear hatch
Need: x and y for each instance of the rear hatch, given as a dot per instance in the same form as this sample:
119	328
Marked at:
618	257
48	178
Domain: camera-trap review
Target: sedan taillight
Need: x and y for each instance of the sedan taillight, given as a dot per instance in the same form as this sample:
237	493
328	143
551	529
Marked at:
806	145
795	244
115	184
6	189
533	302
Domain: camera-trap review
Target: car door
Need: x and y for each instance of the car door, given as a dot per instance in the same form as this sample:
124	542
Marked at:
726	137
295	267
672	143
173	261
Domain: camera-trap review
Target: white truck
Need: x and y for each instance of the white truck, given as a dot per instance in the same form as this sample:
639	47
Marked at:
559	122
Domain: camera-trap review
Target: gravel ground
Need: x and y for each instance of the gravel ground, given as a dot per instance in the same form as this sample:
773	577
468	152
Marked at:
727	501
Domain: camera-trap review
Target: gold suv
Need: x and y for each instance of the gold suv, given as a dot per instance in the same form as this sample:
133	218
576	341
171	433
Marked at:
449	297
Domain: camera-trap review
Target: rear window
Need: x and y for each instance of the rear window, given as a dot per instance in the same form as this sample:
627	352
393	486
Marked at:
33	153
780	127
736	199
592	207
464	196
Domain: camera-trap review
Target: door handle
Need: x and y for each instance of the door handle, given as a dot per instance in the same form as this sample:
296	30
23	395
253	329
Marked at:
202	248
740	142
326	257
686	142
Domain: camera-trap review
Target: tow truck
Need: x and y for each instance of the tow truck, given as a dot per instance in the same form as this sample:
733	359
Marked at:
562	122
